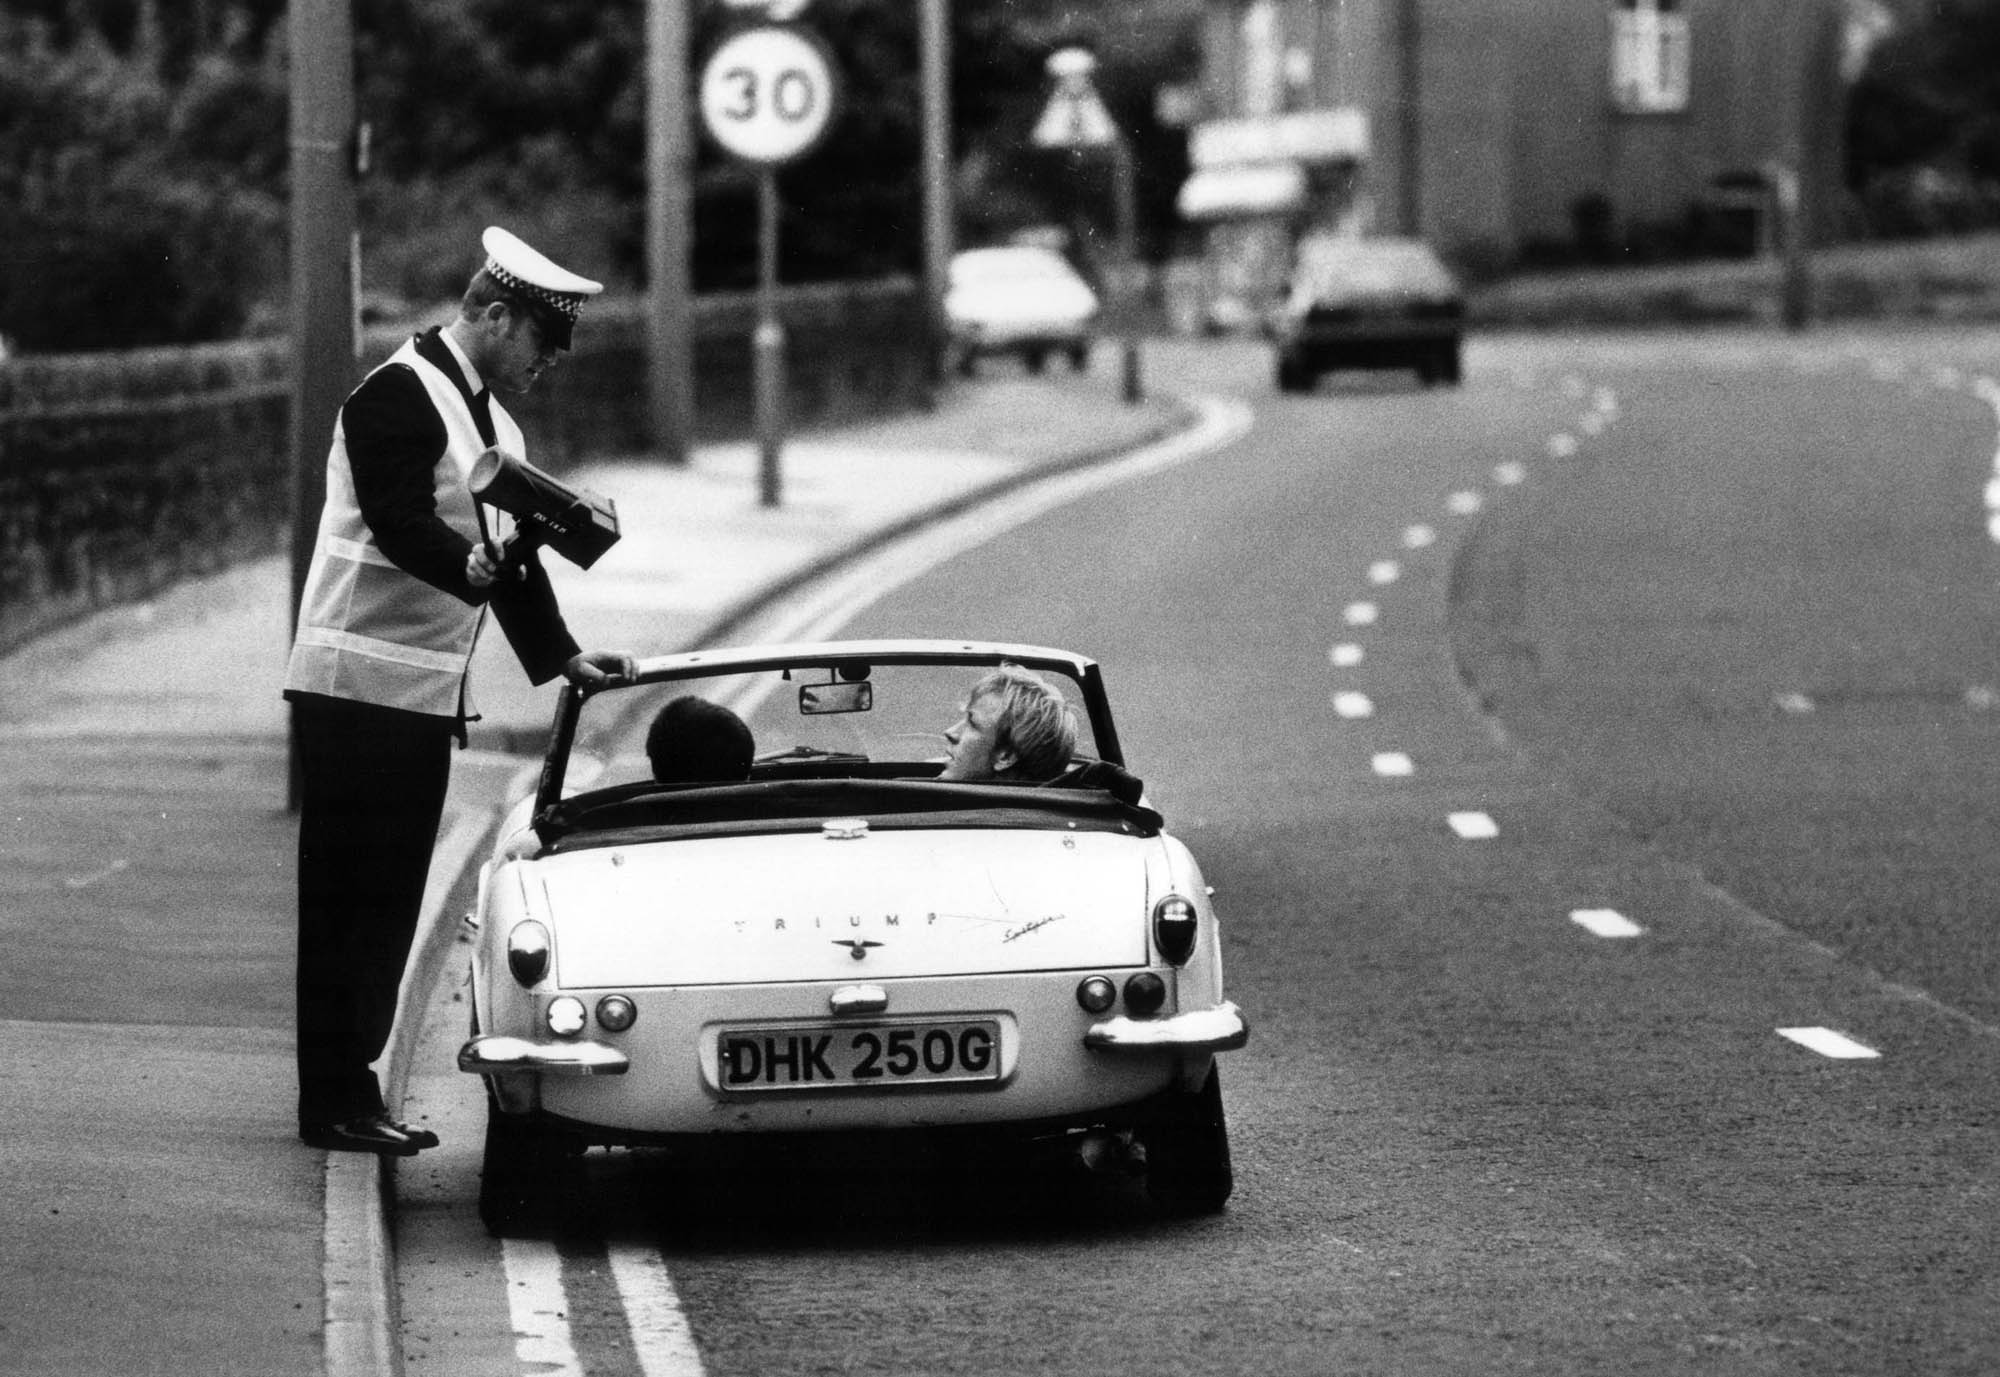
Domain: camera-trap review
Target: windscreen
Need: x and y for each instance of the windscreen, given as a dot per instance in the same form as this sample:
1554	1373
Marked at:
890	719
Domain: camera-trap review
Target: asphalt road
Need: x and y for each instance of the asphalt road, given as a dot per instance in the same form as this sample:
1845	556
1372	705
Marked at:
1580	757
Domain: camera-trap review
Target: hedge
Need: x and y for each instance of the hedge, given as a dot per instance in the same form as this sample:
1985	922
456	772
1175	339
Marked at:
121	473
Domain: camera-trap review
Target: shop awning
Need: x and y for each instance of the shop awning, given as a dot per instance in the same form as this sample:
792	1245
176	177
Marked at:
1243	192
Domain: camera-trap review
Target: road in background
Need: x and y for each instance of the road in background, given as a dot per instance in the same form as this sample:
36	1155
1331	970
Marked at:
1529	1091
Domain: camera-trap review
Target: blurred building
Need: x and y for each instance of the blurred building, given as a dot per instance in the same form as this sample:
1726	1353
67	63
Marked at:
1515	131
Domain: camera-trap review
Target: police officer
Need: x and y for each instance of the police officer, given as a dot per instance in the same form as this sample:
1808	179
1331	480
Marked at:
400	582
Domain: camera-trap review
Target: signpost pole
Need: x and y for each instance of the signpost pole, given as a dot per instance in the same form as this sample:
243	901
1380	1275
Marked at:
1128	265
768	344
768	94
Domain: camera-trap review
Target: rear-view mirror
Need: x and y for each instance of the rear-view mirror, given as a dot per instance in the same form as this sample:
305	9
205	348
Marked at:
815	699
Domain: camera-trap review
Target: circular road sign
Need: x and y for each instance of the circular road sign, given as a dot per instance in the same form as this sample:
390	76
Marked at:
768	93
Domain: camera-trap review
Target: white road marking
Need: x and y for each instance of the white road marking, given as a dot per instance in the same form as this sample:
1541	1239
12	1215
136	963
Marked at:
1464	503
86	881
1982	698
1797	704
1350	704
1605	403
1574	385
1384	571
1417	537
1473	826
1393	764
1993	490
660	1333
1346	655
1360	614
1828	1043
538	1308
1510	474
1562	446
1605	922
866	581
1993	526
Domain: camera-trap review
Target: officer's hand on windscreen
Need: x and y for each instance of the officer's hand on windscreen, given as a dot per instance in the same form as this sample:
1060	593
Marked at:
483	567
597	668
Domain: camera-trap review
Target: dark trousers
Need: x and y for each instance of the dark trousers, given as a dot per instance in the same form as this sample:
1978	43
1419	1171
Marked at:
373	785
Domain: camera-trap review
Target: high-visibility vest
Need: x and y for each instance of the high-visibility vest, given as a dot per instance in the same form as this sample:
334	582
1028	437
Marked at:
369	631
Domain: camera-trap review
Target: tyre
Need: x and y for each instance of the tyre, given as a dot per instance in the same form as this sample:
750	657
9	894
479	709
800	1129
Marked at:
1037	359
1079	358
1187	1151
1451	362
1294	376
528	1181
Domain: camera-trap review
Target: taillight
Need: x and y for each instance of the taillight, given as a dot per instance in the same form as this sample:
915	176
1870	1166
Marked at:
1145	993
528	952
1175	925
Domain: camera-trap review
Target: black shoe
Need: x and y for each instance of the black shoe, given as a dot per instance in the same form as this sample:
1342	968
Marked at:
422	1137
373	1133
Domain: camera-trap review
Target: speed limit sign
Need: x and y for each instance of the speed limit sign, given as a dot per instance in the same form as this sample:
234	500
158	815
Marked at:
768	93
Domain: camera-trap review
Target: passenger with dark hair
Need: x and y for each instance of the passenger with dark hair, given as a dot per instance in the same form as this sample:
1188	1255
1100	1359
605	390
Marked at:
694	741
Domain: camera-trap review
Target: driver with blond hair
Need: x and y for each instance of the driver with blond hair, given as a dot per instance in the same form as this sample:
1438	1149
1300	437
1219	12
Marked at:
1015	728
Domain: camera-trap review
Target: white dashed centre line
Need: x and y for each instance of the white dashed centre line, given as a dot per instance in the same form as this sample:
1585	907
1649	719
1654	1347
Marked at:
1473	826
1384	571
1798	704
1605	922
1360	614
1465	503
1510	474
1828	1043
1392	764
1417	537
1351	705
1346	655
1562	446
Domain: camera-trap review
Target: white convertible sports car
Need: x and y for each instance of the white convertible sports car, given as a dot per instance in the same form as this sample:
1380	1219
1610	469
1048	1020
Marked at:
842	944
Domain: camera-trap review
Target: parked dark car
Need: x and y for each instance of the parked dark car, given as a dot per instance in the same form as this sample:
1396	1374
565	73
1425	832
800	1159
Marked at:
1369	303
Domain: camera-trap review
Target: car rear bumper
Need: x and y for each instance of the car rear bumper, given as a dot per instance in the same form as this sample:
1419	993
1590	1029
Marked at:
1220	1029
493	1055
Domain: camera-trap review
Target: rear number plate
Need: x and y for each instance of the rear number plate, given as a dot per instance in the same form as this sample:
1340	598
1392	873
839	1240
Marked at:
858	1057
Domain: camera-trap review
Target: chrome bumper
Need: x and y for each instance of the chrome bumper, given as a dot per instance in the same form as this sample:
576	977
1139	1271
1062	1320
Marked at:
1221	1029
492	1055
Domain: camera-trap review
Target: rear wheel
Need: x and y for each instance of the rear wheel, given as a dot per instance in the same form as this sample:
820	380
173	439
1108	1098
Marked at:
1187	1151
1294	376
1037	358
1079	357
528	1182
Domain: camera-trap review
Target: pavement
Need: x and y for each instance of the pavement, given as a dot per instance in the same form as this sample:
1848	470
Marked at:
162	1216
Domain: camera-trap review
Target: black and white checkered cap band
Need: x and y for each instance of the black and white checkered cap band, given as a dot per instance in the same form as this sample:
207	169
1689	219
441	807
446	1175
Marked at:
568	303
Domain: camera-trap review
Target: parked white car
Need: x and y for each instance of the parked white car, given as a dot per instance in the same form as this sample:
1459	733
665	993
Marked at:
1018	299
844	947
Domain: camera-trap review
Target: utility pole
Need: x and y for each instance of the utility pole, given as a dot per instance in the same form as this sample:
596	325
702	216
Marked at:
934	18
1410	113
669	231
325	330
